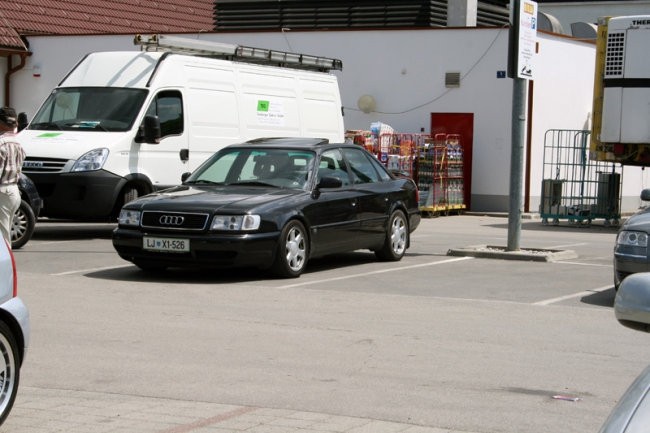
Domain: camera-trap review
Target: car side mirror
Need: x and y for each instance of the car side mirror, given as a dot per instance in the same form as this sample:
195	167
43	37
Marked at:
326	182
184	176
149	131
23	121
330	182
645	195
632	303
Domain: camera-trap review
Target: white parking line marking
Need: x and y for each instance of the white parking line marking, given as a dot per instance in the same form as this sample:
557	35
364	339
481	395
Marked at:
383	271
574	295
557	247
82	271
600	265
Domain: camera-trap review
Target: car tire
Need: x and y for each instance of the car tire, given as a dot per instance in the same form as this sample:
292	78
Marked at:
9	371
397	238
23	225
130	194
292	251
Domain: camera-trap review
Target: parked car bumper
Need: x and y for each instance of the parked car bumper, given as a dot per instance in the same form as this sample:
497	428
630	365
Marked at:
625	265
255	250
414	221
77	195
29	192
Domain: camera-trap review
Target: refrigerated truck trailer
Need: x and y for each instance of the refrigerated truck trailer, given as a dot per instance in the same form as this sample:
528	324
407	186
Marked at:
621	107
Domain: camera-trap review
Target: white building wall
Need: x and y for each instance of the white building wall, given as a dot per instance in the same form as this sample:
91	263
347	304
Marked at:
404	71
562	97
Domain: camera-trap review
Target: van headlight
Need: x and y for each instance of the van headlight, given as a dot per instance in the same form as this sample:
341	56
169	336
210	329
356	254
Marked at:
235	222
129	217
89	161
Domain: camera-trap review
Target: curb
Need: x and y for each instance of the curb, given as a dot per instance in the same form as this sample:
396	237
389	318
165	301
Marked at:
499	252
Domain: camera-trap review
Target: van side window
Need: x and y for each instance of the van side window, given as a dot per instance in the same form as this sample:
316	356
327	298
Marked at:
168	106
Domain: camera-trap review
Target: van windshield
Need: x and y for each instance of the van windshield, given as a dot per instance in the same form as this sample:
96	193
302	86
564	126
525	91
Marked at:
89	109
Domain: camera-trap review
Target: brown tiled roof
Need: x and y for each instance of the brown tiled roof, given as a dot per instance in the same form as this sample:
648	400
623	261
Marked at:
76	17
9	38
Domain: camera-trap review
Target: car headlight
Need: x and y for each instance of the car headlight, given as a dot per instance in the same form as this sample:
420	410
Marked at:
129	217
236	222
632	238
89	161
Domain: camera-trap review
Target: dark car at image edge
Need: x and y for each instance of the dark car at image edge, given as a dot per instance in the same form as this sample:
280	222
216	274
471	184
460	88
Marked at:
631	254
272	204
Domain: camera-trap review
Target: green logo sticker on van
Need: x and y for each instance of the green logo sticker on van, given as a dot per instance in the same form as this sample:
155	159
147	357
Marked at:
49	134
263	106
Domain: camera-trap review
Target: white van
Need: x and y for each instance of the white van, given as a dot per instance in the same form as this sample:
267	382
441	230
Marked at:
124	124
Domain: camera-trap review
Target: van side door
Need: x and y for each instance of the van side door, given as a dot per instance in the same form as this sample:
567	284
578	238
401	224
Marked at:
164	162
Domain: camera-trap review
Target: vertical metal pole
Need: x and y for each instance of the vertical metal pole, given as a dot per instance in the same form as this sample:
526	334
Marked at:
519	94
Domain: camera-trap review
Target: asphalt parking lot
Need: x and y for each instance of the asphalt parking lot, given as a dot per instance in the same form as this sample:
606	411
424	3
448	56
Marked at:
431	344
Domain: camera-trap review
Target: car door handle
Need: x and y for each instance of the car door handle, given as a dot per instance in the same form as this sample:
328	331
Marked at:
184	154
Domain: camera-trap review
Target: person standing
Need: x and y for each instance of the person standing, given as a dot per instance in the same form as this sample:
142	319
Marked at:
11	163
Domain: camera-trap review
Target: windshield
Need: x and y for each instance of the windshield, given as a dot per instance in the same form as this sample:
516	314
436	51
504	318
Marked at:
282	168
89	109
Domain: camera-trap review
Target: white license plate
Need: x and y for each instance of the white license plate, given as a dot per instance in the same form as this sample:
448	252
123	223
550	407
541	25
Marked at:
173	245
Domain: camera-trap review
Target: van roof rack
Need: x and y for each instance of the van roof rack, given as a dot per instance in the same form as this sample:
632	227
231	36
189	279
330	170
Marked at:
241	53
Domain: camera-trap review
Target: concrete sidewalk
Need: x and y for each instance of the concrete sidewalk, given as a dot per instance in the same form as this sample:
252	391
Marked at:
53	410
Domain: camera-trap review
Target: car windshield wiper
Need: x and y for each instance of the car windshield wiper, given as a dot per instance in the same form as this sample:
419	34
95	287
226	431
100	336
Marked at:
45	125
253	183
204	182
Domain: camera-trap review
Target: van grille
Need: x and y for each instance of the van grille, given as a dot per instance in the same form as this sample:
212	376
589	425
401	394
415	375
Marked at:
174	220
43	165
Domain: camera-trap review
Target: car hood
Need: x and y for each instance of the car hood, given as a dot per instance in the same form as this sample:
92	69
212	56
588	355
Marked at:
231	199
638	221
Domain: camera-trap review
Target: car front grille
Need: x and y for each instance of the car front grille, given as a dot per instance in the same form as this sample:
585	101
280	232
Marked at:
43	165
174	220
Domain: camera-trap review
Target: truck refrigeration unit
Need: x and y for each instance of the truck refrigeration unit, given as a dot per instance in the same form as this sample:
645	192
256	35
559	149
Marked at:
621	108
123	124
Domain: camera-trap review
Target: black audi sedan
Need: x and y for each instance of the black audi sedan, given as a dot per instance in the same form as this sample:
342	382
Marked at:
273	204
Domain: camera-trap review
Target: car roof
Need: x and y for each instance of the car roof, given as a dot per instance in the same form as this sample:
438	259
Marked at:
290	142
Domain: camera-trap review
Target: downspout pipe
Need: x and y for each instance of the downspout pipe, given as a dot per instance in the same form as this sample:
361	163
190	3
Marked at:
10	71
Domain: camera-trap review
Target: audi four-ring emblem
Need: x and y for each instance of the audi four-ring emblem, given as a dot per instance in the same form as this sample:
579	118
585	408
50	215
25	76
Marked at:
171	220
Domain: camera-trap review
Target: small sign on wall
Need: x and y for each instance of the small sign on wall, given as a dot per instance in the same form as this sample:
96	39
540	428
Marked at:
270	112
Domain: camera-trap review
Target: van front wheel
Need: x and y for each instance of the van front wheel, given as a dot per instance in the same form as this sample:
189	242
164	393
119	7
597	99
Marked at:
23	225
130	194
